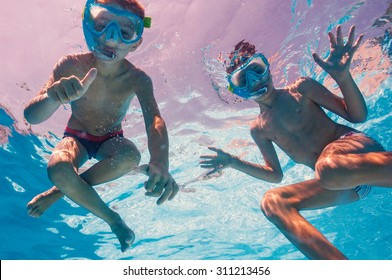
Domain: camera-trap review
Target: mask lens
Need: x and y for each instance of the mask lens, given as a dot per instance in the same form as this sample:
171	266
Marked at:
245	80
114	22
238	79
258	65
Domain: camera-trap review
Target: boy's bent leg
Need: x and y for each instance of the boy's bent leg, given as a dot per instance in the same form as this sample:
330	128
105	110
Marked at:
117	157
41	202
282	205
62	172
352	161
118	153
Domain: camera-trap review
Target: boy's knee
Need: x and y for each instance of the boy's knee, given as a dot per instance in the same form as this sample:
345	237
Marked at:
127	160
59	171
135	157
131	158
270	204
326	174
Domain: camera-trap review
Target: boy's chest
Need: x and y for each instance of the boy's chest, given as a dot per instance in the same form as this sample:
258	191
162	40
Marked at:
290	114
106	98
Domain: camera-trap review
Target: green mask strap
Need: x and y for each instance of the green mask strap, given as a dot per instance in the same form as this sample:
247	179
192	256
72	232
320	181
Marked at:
147	22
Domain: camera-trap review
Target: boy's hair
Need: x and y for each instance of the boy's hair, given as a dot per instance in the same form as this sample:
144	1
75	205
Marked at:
133	6
242	52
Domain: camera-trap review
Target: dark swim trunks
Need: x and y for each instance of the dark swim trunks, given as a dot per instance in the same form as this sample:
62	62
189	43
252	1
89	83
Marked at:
362	191
91	142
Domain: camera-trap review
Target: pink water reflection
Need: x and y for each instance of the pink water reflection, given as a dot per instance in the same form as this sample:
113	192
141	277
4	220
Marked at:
37	33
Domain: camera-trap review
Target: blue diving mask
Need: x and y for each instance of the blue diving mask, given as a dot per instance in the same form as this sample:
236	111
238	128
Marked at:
103	22
244	80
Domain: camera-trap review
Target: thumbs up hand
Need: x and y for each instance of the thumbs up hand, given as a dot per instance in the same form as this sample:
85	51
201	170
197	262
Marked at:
71	88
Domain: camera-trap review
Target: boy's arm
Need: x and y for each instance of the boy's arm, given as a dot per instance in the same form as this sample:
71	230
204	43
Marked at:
271	171
58	90
41	107
160	182
337	65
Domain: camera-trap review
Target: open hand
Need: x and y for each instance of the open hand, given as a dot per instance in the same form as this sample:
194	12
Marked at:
160	183
341	54
71	88
216	162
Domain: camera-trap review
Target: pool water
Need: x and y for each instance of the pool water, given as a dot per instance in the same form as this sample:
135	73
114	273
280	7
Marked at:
218	218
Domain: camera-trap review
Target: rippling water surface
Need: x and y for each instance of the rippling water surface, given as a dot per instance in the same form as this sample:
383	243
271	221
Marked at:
217	218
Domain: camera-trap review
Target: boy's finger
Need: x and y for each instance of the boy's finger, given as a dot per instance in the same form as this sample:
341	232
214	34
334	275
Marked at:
89	78
155	192
73	89
175	190
214	149
339	35
151	182
318	60
210	158
206	163
358	42
166	194
62	95
69	91
77	87
351	33
55	95
207	166
142	169
332	40
212	172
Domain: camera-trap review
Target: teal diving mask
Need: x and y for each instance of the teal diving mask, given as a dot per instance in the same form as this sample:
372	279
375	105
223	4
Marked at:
245	79
103	22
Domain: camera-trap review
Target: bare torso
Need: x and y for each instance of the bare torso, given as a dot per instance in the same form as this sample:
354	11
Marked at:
298	126
102	108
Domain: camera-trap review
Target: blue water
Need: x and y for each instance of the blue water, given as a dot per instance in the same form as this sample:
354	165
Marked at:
217	218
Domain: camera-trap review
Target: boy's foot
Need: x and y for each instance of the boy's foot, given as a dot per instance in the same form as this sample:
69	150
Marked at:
125	235
40	203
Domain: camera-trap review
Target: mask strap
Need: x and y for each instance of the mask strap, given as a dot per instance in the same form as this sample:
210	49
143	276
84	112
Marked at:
147	22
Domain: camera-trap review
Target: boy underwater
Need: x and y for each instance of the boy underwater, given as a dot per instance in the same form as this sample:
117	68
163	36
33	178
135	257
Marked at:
99	86
345	161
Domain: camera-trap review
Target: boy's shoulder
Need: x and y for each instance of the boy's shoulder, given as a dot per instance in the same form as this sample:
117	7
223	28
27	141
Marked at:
303	85
137	75
136	72
257	127
300	83
71	64
71	59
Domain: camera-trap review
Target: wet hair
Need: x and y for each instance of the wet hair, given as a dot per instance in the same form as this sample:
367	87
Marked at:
133	6
241	53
